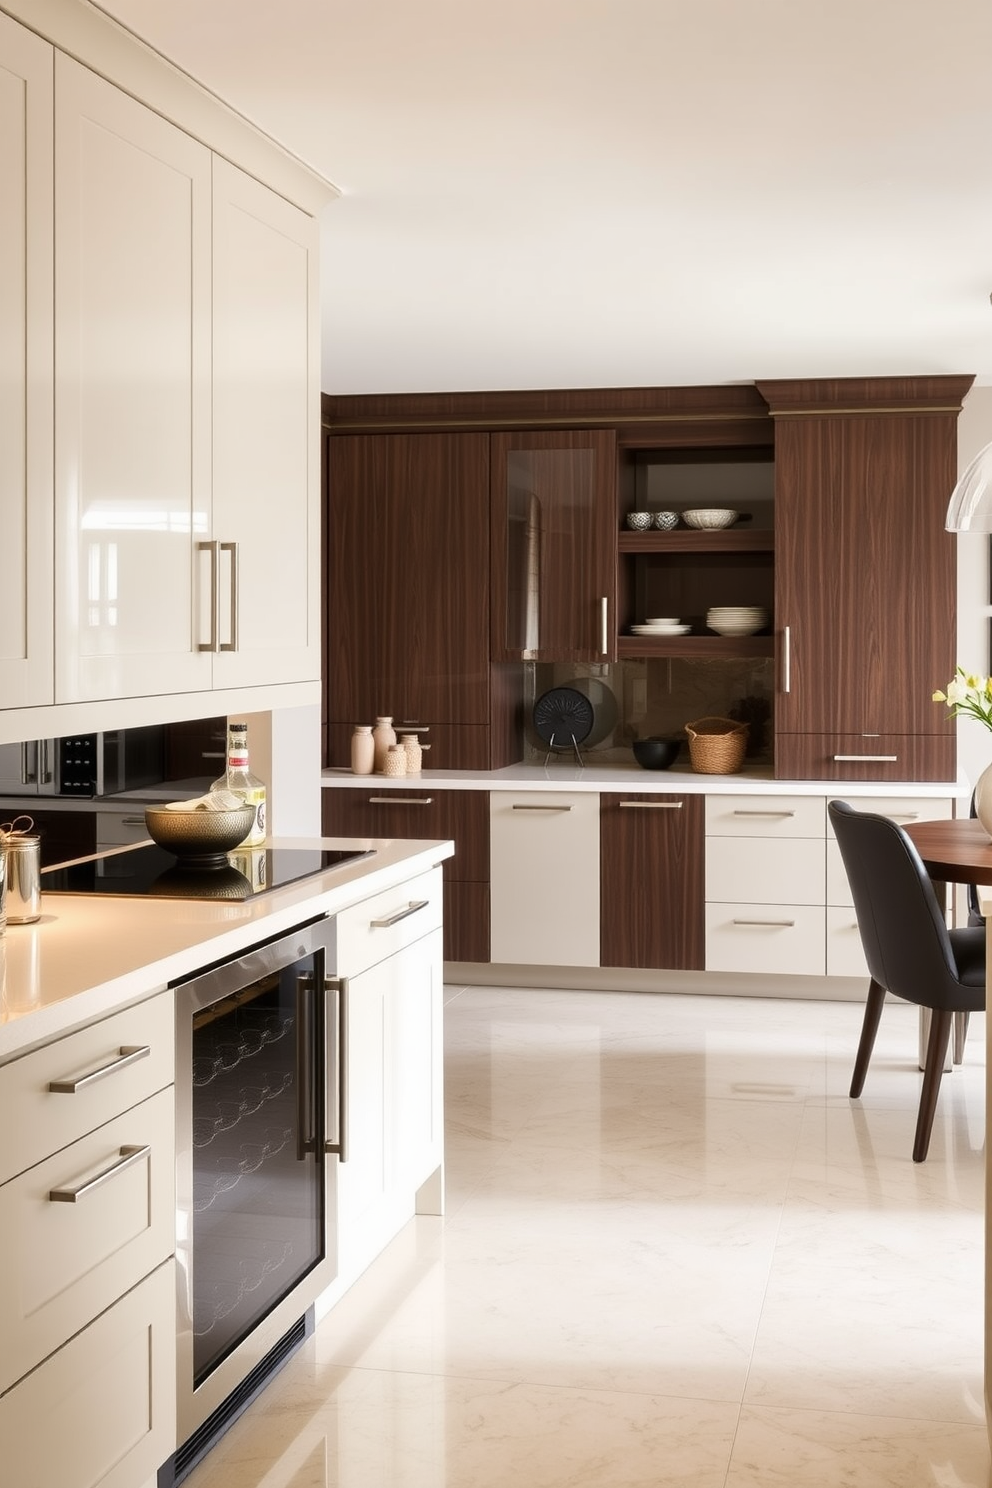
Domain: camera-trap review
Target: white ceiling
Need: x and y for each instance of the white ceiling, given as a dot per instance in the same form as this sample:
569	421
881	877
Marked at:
569	193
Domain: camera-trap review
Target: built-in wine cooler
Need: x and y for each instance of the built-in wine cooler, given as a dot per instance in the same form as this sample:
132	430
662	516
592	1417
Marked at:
260	1110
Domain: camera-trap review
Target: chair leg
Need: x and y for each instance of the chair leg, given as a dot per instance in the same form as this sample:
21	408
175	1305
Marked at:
869	1028
940	1032
960	1035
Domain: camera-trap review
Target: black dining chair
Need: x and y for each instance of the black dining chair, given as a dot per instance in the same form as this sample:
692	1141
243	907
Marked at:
909	949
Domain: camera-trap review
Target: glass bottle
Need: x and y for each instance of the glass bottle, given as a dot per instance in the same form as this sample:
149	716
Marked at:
241	782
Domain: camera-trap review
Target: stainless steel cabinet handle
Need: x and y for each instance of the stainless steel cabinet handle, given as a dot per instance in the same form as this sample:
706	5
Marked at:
45	773
24	763
339	1146
413	728
213	548
778	924
401	914
764	813
604	625
540	808
130	1054
786	658
129	1156
401	800
904	815
232	548
650	805
855	758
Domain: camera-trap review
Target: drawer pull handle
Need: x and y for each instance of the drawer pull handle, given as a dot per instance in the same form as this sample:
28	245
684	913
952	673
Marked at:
904	815
401	800
843	759
604	625
650	805
129	1156
540	808
401	914
130	1054
777	924
765	813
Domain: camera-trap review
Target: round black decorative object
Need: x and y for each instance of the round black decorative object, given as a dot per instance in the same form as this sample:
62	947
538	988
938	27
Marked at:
563	718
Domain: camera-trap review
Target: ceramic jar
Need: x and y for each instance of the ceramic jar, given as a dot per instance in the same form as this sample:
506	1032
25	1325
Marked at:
414	753
383	736
362	750
395	762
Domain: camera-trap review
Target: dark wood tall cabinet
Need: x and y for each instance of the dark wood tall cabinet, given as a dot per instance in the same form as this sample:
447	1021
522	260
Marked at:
865	576
407	601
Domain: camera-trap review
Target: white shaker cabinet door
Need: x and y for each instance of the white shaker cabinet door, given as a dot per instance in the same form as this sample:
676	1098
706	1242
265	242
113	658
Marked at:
266	443
132	354
27	670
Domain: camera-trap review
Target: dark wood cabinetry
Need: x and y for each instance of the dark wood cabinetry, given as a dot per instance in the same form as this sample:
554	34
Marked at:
554	546
431	815
865	576
652	887
408	597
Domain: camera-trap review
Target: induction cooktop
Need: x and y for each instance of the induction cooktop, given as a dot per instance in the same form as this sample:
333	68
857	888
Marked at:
149	872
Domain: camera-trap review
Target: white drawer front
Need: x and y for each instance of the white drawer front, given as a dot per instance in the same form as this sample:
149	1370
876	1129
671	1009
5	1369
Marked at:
777	939
790	871
64	1262
844	954
378	927
765	816
36	1121
100	1413
544	881
902	809
115	828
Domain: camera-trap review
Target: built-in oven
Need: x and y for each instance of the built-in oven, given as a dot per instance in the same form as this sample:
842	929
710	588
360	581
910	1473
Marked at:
260	1127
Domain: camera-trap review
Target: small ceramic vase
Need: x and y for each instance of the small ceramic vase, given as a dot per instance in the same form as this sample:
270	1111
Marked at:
362	750
383	735
414	753
395	763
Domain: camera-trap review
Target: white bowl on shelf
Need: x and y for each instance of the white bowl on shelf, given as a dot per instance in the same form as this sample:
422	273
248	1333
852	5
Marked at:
709	518
736	627
660	630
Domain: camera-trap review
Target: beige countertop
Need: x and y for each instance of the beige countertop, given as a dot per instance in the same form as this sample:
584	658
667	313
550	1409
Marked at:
89	955
630	777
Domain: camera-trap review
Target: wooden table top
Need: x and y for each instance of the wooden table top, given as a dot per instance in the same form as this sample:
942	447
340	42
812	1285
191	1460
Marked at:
957	851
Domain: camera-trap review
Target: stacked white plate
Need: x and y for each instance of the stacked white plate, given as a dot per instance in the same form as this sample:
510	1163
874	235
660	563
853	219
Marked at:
737	620
661	627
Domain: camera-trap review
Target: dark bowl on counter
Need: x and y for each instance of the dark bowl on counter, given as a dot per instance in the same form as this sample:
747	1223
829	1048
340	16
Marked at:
656	754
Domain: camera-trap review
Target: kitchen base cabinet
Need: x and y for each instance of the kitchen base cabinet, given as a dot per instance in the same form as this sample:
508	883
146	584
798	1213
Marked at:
545	877
652	881
381	809
389	955
101	1412
766	884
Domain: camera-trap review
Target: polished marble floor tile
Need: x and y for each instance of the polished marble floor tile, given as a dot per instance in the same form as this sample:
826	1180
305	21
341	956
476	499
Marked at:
674	1253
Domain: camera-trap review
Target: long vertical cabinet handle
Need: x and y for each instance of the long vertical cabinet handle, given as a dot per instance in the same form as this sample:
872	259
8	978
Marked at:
604	625
339	985
213	548
786	658
232	548
305	1139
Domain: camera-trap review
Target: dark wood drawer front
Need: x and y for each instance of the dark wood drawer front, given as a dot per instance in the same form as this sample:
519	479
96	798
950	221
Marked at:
652	887
466	921
415	812
853	757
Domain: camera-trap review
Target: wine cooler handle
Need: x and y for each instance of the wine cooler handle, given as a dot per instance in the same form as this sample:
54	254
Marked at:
339	985
306	1141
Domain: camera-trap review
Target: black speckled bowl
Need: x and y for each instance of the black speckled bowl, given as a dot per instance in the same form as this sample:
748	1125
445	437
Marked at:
656	754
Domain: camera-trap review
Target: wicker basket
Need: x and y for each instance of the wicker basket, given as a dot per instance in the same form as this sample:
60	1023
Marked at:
716	745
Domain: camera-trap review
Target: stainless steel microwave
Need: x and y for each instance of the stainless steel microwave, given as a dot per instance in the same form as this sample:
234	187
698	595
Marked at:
84	764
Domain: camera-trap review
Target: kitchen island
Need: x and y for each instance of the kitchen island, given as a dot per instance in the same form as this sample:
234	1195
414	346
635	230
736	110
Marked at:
99	1182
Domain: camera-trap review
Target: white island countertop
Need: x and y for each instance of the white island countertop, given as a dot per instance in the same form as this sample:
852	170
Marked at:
563	776
90	955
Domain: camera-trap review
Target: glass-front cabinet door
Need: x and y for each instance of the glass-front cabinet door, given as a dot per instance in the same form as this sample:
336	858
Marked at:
554	546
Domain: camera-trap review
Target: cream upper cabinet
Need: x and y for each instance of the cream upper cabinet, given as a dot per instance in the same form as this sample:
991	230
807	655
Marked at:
132	432
266	450
26	373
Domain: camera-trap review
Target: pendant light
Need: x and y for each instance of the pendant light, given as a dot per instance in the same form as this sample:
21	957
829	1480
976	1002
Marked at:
970	506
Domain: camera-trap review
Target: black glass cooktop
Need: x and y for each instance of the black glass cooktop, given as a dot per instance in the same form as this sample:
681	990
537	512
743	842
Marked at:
149	872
